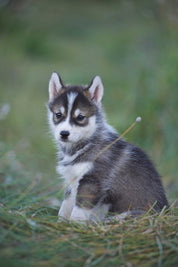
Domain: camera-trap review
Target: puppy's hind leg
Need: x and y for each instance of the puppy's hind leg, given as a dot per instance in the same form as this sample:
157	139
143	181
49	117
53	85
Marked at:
124	215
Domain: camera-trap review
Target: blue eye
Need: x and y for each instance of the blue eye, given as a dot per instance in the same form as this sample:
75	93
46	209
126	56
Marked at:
80	117
58	115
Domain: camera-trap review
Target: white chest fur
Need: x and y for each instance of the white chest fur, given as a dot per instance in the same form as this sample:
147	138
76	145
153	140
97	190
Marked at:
73	173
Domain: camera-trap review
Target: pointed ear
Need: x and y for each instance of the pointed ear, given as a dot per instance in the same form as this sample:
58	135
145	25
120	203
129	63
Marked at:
55	85
96	89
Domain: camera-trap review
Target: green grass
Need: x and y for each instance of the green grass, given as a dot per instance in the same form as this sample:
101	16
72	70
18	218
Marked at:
31	237
132	45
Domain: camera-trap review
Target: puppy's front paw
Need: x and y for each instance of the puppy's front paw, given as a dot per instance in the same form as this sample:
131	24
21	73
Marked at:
61	219
79	214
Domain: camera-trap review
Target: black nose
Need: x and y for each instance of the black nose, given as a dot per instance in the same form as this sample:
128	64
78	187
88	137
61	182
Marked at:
64	134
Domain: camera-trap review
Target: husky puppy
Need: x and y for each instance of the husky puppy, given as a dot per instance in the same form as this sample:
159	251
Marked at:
120	180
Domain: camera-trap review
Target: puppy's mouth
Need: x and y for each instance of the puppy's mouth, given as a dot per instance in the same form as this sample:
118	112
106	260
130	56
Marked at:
64	139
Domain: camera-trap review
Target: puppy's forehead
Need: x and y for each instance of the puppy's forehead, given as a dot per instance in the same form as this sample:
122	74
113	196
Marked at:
60	101
83	104
82	101
72	98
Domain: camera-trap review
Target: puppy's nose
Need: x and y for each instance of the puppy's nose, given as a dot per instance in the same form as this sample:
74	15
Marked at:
64	134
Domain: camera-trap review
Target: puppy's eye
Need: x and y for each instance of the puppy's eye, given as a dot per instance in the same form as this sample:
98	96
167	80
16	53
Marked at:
80	117
58	115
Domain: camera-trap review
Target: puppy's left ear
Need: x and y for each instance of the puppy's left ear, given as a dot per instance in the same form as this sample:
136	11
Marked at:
55	85
96	89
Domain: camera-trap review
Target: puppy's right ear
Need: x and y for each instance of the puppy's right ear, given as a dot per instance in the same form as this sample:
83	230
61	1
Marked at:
96	89
55	85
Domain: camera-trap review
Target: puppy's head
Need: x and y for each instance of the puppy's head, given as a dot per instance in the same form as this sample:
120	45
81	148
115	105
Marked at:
73	109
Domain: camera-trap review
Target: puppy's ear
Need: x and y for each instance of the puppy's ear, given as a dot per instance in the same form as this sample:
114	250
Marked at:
55	85
96	89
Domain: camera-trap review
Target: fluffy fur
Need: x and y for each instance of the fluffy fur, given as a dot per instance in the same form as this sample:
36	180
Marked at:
121	180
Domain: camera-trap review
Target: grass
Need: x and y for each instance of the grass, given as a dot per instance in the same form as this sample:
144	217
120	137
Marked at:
132	45
32	237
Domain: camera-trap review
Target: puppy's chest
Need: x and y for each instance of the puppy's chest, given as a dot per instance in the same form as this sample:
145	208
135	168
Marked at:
73	172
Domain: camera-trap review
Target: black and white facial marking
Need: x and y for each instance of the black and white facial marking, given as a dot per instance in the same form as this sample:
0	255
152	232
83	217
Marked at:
72	109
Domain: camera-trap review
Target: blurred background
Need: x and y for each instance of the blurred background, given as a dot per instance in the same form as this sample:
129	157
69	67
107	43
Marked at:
132	45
